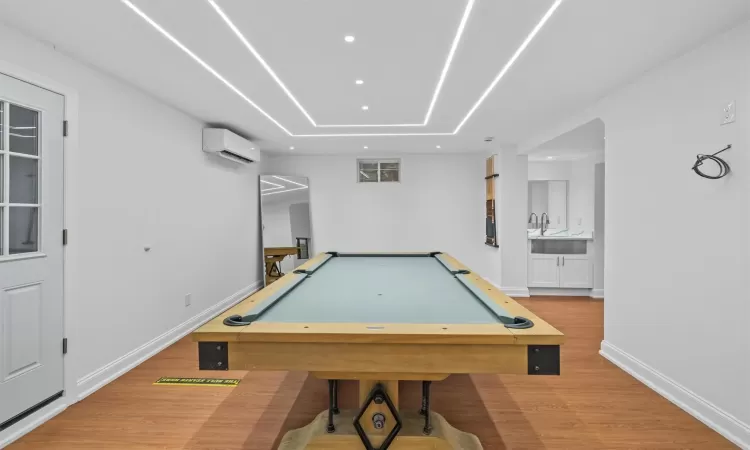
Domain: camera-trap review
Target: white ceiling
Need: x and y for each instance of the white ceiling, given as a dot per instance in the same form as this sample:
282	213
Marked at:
306	78
584	141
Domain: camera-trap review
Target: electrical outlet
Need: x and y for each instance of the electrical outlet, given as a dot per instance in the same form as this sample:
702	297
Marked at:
729	114
188	299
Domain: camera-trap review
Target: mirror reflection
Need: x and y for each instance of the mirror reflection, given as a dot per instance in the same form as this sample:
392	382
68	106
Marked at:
548	199
285	218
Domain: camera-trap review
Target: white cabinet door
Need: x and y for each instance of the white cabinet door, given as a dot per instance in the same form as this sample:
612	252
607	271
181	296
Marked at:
575	271
557	207
543	270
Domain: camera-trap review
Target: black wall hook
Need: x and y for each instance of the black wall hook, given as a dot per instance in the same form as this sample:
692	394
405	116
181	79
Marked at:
724	168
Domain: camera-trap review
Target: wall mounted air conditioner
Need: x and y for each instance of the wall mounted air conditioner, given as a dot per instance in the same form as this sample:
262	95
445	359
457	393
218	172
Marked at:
230	146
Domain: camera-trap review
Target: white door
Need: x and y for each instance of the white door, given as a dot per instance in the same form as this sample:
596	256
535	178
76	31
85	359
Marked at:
557	204
575	271
543	270
31	253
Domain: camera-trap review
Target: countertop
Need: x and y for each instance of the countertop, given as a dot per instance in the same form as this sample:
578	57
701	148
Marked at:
561	234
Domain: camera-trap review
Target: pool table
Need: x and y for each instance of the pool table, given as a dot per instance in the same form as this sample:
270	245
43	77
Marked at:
380	318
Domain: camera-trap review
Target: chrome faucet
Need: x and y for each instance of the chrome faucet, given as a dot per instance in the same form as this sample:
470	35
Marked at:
544	222
536	220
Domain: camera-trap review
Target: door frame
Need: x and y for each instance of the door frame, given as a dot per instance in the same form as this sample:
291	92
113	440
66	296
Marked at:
70	146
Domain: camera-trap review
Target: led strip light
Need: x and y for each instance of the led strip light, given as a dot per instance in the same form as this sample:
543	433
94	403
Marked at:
468	115
436	93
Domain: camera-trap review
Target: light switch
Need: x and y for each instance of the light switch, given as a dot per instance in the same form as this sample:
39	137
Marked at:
729	113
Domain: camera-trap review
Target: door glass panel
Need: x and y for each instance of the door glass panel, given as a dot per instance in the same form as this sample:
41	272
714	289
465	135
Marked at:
2	231
23	130
23	180
23	229
2	121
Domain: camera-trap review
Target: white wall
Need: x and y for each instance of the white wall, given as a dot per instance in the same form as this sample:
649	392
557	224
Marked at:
512	192
677	258
599	228
138	178
552	170
438	205
581	195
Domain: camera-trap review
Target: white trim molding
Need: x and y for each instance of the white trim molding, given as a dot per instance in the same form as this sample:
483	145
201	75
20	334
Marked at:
522	291
720	421
597	293
28	424
511	291
99	378
560	292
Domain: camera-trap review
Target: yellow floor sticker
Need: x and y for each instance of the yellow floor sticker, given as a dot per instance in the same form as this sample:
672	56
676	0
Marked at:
225	382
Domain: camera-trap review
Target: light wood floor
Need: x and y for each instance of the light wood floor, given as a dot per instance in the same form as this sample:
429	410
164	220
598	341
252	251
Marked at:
592	405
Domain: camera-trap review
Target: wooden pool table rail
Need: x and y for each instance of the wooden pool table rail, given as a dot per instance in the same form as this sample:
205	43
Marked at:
381	347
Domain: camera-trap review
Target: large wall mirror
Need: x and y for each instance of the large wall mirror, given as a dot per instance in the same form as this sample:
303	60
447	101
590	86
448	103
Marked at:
285	221
549	197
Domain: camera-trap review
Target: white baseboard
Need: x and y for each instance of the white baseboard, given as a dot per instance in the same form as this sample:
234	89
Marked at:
597	293
515	291
95	380
15	432
511	291
560	292
723	423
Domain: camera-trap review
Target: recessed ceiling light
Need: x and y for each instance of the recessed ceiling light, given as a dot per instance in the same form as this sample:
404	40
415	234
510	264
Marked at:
550	157
365	108
349	38
437	146
366	147
291	148
359	82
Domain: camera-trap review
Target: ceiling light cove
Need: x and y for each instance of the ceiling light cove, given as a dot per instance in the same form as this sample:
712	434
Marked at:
351	39
438	87
202	63
510	62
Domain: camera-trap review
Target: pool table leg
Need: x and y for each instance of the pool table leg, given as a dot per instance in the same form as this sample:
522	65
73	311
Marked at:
425	411
331	405
335	396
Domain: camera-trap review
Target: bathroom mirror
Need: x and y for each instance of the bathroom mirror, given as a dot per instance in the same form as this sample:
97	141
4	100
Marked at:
551	197
285	223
